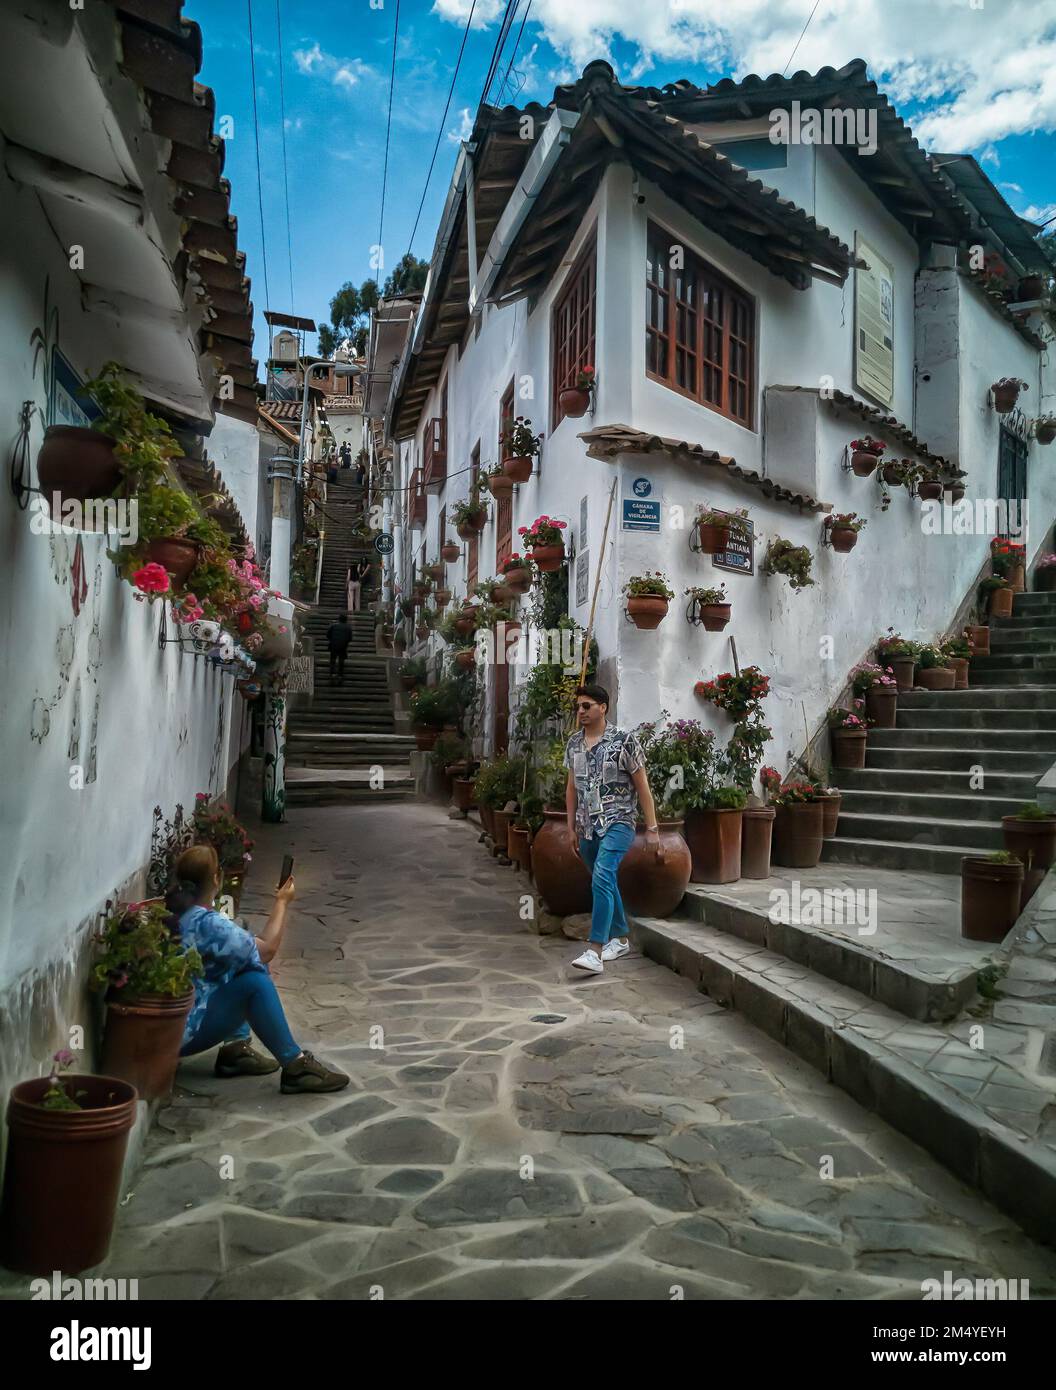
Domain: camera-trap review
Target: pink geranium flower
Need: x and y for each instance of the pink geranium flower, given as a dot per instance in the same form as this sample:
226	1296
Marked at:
152	579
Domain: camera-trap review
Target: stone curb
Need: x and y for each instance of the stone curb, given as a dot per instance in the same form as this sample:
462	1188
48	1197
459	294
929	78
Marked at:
1018	1175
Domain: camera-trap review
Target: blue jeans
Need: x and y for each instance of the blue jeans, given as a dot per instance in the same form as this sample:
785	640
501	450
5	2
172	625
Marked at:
602	856
250	1000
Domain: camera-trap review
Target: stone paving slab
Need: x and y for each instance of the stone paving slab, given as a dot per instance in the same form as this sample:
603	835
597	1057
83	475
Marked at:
651	1142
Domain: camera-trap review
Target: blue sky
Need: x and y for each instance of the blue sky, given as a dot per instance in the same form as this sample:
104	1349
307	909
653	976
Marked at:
969	75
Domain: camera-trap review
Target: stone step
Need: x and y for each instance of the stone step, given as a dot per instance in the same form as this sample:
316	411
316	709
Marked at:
1017	677
1026	622
991	719
864	825
982	739
1034	601
338	794
955	759
925	806
895	854
911	781
1026	661
979	697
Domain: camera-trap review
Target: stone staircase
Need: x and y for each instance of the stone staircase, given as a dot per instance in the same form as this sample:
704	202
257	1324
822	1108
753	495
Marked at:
918	803
336	736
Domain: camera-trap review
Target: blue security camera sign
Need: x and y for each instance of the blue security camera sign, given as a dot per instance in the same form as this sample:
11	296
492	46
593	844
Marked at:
640	512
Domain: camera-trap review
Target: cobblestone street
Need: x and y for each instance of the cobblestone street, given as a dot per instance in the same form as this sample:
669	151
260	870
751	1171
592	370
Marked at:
481	1152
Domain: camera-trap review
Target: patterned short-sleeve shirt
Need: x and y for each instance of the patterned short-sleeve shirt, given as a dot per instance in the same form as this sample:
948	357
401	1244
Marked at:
226	950
605	793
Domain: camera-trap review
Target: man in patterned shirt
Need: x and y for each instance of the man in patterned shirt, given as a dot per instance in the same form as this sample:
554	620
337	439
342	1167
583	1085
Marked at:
606	782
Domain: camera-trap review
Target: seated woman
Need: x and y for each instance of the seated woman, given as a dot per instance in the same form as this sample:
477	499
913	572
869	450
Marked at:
235	992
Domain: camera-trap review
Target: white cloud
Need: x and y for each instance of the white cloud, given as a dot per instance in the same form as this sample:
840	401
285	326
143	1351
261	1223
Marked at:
1012	187
308	59
465	127
342	72
1035	214
349	74
456	11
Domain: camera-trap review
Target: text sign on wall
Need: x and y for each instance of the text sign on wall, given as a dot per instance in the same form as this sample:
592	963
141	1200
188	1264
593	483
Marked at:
582	577
739	554
300	676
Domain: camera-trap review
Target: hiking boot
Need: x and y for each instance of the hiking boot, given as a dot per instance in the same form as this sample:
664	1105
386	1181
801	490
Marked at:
308	1074
238	1058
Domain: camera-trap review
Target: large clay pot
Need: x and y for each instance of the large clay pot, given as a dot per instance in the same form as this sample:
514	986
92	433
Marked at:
517	468
757	830
714	839
863	463
562	878
901	669
653	882
881	705
990	898
1001	603
830	813
549	558
714	616
714	538
76	464
62	1177
936	677
1017	576
848	747
465	794
141	1043
450	552
473	525
959	665
501	821
518	846
1045	579
179	557
573	402
647	611
798	835
425	736
979	639
843	538
1033	842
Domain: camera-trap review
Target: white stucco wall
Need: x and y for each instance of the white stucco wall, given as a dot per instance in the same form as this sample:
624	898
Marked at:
234	446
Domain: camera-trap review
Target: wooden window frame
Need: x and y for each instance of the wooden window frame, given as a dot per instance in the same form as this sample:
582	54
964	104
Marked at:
473	546
570	354
706	274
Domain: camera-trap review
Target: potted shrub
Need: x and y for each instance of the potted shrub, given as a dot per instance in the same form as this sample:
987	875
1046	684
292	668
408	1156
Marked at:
709	607
66	1140
442	597
470	515
172	533
149	982
847	733
865	455
1005	392
842	529
713	833
543	538
647	598
957	651
1045	429
929	485
737	693
793	561
798	825
996	592
1030	835
899	473
430	710
520	447
466	621
991	888
517	572
125	449
498	482
412	673
450	552
757	829
575	400
934	671
1009	559
897	654
878	687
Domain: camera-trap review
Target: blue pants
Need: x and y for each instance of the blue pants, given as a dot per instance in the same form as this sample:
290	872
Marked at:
602	856
248	1001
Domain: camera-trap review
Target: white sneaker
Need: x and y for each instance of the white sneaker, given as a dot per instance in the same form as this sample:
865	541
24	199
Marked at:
614	949
589	960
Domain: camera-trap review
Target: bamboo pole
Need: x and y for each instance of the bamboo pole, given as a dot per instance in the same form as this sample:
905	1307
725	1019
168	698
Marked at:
597	583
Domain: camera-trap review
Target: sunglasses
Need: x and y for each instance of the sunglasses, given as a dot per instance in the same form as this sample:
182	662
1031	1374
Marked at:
587	704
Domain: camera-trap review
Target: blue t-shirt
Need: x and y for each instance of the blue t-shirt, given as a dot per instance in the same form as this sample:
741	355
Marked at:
226	950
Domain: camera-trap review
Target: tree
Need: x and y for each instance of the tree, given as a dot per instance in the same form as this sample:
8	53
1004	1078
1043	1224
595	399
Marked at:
327	340
408	276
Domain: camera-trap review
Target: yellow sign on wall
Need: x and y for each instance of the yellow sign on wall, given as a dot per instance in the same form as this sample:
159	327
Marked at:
874	325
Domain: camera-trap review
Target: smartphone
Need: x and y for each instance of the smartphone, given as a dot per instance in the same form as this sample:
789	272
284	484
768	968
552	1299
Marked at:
287	869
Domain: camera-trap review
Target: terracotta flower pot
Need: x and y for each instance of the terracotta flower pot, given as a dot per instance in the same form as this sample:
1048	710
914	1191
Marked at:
472	526
466	659
1045	579
1045	433
929	492
562	878
502	593
549	558
891	475
1017	576
757	831
501	821
714	837
881	705
843	538
936	677
443	597
519	580
979	640
1033	842
465	625
848	747
798	835
518	847
830	813
901	669
714	539
959	665
647	611
500	484
435	572
425	736
517	468
141	1043
863	463
990	897
485	815
1005	398
714	616
464	791
76	464
1001	603
179	557
652	883
62	1176
571	401
955	494
450	552
1029	288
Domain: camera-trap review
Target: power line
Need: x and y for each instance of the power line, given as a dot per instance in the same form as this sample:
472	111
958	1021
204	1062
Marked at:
516	45
500	43
443	121
800	39
388	131
256	143
285	174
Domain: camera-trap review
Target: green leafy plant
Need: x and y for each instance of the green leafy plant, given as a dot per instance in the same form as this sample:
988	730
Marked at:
414	668
737	693
551	775
139	951
958	647
520	440
145	443
895	647
471	510
59	1095
735	520
1001	856
846	521
500	781
792	561
217	825
1031	810
448	749
679	763
651	584
930	656
708	596
725	798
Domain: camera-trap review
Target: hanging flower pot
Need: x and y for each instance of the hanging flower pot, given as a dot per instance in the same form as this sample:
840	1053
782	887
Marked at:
1045	429
501	593
892	474
517	575
141	1043
714	837
843	538
647	611
713	531
76	464
573	402
517	468
443	597
450	552
425	736
466	622
1006	393
929	490
714	616
177	556
757	829
435	572
472	525
62	1176
863	463
990	896
955	493
549	558
500	484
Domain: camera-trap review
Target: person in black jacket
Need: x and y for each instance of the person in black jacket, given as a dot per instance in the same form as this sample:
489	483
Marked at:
338	636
